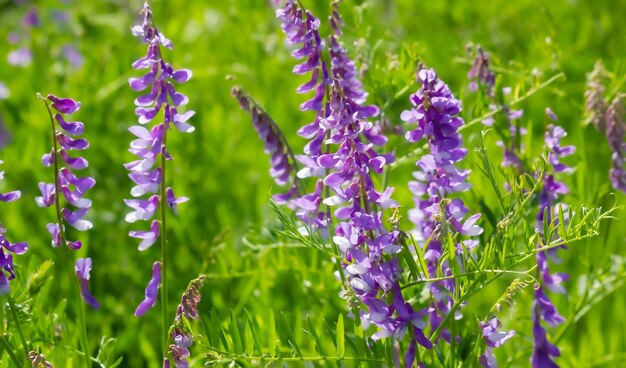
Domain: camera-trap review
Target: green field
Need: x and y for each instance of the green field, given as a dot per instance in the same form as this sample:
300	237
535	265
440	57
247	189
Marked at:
226	230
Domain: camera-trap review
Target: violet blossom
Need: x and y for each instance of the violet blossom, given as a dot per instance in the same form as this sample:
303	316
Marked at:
615	127
301	28
149	145
152	291
435	115
282	161
340	154
7	248
481	73
82	269
493	338
543	308
72	188
181	336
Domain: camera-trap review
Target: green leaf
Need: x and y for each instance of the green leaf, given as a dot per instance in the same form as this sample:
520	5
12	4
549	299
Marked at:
290	335
271	333
235	334
341	342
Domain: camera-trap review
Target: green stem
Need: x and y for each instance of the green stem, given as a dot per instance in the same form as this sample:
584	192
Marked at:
7	347
163	232
18	324
68	256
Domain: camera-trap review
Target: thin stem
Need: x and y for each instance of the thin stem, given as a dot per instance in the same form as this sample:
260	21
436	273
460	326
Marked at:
18	324
164	314
68	256
7	347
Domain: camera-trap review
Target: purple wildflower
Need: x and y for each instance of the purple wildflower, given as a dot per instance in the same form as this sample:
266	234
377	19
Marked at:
73	56
594	97
71	187
543	350
6	247
435	115
20	57
341	156
371	251
83	268
150	144
182	338
493	338
480	72
31	19
282	160
543	308
152	291
615	126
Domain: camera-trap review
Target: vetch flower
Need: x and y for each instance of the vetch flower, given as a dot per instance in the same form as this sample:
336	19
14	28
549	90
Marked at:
481	72
152	291
435	117
615	127
160	99
82	269
493	338
282	160
67	185
7	248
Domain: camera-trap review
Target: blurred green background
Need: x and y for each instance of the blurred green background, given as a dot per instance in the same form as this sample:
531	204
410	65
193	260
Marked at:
222	168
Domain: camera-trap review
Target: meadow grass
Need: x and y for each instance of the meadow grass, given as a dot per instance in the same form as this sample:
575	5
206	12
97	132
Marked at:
254	276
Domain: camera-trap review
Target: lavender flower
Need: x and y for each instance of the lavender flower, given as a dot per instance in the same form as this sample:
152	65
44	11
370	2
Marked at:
152	291
543	350
480	72
493	338
543	308
72	188
615	126
181	336
435	116
282	160
82	269
340	155
150	145
6	247
21	57
301	28
594	97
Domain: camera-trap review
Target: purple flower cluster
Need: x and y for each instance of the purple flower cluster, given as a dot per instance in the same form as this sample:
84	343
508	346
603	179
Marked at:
340	153
372	268
543	308
493	338
66	182
182	338
608	118
282	163
481	73
301	28
150	144
435	115
7	249
72	187
615	126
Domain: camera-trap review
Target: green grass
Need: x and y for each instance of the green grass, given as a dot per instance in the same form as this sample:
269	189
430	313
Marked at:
221	166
